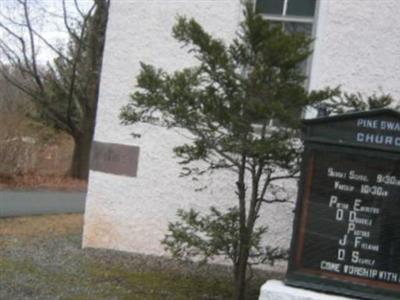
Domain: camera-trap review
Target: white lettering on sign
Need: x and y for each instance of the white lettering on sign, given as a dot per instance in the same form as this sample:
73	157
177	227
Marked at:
384	138
370	247
378	124
357	177
333	202
366	123
351	227
330	266
360	271
339	215
362	233
352	193
356	259
343	187
357	241
336	174
378	139
367	209
388	180
389	125
374	190
341	254
343	241
388	276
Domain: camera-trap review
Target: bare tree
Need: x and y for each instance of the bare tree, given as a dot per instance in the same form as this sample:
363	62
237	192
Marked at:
65	90
12	100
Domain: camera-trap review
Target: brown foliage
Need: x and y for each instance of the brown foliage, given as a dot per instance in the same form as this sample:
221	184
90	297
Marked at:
31	181
27	147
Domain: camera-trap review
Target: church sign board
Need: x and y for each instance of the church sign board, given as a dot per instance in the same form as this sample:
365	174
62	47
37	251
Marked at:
346	236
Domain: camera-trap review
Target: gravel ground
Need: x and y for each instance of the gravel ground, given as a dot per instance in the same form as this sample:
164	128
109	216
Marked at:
41	258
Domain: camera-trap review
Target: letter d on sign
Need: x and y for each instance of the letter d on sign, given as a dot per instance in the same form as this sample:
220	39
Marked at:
341	254
339	214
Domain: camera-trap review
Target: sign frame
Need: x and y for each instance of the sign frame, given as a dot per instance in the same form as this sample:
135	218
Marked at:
317	138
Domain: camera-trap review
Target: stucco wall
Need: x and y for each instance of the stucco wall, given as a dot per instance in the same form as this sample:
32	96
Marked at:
133	213
355	47
358	46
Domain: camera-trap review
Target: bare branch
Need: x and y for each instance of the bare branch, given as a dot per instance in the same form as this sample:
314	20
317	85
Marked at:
16	83
11	20
66	17
67	26
10	53
276	201
289	176
32	46
79	104
267	181
21	43
38	98
51	47
78	9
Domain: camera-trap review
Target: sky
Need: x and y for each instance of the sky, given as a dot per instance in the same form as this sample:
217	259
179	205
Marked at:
46	16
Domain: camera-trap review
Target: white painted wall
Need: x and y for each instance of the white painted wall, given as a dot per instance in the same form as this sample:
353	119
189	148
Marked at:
356	46
133	213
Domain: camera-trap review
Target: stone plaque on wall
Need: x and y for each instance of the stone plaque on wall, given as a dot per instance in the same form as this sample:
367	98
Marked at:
346	236
114	158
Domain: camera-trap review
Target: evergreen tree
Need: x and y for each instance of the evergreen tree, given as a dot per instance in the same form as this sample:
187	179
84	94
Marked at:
353	102
234	90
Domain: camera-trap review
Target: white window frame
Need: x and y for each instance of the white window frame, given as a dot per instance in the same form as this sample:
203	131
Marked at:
309	20
286	18
297	19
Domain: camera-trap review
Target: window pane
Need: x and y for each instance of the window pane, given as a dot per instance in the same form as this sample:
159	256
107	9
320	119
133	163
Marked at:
295	27
274	7
306	29
303	8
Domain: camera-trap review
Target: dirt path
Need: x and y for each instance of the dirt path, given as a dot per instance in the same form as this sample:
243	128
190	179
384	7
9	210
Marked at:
38	202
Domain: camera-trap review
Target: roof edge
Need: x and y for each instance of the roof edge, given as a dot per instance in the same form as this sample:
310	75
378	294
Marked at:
351	115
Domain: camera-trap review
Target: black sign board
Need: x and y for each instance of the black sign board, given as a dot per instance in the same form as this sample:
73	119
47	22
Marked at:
346	236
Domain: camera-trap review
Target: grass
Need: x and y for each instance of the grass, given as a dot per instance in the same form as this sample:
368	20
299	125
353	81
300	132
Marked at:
40	258
110	282
158	285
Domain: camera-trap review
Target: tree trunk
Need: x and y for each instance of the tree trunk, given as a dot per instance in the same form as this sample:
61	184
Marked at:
240	270
92	66
240	266
81	156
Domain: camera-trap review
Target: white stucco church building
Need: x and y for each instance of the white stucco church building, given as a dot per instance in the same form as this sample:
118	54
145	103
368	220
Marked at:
357	46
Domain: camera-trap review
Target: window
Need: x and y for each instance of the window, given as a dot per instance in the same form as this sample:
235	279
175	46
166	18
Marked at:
294	16
287	8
